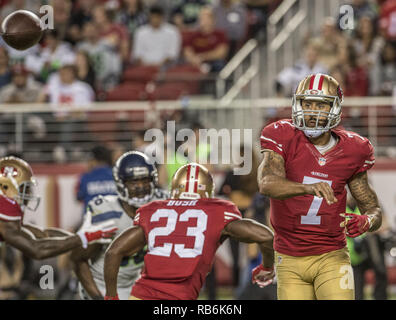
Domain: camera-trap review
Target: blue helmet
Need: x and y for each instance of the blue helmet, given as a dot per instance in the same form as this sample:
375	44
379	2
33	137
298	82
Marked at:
134	165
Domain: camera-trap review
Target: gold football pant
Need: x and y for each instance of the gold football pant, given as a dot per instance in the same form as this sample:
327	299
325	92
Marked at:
327	276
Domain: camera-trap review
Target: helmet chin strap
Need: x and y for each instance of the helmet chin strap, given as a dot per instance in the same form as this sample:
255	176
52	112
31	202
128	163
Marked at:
314	133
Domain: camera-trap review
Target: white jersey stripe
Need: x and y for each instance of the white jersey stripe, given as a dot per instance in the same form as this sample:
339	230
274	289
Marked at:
268	139
230	215
4	216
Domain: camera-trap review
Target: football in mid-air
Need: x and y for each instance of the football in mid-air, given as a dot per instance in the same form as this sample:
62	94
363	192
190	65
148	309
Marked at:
21	29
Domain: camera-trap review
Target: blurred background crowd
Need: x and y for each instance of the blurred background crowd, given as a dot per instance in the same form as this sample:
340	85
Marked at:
148	50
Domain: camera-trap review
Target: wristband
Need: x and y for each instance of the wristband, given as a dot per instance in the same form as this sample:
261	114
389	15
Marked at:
111	298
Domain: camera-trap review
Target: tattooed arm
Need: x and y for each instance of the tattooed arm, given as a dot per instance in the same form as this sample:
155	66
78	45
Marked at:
366	199
273	183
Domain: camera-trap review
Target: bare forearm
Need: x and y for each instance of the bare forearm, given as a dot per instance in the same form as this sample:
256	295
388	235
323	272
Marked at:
111	266
366	199
375	215
83	273
277	187
272	178
55	246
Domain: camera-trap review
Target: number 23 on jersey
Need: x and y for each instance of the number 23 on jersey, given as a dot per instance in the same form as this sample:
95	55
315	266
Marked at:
172	219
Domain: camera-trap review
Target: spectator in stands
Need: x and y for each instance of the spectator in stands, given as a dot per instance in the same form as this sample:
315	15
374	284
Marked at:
85	71
115	35
11	6
51	57
23	87
259	11
64	91
288	79
207	47
98	180
231	17
387	22
188	11
356	80
157	43
132	15
5	71
329	43
383	75
368	44
361	8
81	14
105	61
62	15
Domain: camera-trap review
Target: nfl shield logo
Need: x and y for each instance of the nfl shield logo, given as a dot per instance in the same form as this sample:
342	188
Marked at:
322	161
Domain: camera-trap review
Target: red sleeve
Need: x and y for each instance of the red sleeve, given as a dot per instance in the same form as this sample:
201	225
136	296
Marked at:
9	210
366	159
230	212
275	136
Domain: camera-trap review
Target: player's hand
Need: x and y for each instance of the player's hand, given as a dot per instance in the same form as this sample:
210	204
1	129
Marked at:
322	190
355	224
263	276
101	232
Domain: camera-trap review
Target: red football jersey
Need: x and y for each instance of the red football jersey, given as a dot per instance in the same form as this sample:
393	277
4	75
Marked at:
307	225
182	238
9	210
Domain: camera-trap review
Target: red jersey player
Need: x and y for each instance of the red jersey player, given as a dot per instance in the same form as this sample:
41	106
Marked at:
306	166
183	234
16	194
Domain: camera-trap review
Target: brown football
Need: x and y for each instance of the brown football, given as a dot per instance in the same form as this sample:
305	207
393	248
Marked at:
21	29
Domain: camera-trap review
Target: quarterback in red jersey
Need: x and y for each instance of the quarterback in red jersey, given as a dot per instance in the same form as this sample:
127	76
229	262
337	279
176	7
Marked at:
182	235
307	164
16	194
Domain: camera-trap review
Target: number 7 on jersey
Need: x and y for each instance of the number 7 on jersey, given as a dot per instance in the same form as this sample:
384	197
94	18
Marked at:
311	217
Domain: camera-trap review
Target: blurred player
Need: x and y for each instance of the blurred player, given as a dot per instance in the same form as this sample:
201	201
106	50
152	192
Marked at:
16	195
136	180
307	164
183	234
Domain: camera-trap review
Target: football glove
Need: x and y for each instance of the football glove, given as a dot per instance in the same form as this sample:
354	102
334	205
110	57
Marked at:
97	233
355	224
263	276
111	298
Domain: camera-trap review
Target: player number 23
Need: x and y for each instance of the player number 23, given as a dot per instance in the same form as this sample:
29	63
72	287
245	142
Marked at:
172	216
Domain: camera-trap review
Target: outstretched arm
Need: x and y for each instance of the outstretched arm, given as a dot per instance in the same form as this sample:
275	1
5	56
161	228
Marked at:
38	233
126	244
250	231
273	183
366	199
37	248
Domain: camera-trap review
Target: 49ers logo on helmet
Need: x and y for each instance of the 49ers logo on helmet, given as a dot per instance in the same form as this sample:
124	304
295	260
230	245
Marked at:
314	92
6	171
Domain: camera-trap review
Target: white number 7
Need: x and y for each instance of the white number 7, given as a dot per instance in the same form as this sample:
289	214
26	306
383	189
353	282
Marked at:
312	217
